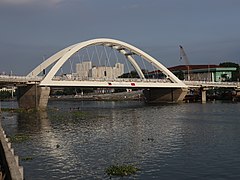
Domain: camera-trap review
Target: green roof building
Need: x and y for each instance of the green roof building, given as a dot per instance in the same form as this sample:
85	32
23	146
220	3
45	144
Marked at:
212	73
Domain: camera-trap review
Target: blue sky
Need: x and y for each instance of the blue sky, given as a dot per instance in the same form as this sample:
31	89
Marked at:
209	30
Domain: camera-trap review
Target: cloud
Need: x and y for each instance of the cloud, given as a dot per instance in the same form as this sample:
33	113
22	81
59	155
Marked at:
30	2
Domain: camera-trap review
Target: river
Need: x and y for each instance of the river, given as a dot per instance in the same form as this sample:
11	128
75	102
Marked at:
80	139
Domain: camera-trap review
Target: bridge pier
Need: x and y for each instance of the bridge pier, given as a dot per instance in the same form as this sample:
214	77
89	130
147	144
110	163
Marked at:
204	95
33	96
203	91
158	95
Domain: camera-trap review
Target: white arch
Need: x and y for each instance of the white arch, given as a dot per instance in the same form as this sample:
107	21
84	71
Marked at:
48	62
62	56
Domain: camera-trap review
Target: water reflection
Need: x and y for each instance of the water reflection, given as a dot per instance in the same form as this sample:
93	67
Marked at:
61	142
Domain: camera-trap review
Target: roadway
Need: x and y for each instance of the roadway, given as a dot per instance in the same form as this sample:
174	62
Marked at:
6	80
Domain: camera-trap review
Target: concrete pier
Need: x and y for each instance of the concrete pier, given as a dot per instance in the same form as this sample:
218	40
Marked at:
204	95
33	96
156	95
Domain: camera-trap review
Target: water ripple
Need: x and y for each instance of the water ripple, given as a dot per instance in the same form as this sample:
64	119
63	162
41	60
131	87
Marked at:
184	141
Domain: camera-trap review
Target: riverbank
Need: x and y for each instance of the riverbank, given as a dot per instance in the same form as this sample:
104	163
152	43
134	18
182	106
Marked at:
122	96
9	162
138	96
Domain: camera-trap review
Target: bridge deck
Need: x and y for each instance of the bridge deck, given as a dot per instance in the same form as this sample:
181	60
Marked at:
114	83
212	84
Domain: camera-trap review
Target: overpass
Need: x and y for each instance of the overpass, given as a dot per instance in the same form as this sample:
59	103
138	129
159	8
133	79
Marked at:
34	89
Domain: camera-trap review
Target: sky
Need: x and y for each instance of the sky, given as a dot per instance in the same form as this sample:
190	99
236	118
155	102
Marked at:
209	30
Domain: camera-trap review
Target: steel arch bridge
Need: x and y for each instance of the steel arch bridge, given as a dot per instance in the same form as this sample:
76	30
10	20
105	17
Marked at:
124	48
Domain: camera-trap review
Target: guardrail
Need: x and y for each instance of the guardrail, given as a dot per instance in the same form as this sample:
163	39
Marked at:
212	84
25	79
59	78
8	78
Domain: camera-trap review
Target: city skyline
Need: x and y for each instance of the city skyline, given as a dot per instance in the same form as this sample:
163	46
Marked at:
33	30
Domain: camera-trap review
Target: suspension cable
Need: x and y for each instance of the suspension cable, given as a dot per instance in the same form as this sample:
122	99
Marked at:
153	69
116	56
92	55
101	55
88	54
110	54
145	67
106	55
71	65
62	70
125	57
99	63
79	58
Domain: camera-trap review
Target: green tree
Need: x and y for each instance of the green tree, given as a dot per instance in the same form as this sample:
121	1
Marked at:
180	74
132	74
235	74
5	95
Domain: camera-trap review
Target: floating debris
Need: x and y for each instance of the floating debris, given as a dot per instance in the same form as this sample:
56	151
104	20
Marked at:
27	158
18	138
121	170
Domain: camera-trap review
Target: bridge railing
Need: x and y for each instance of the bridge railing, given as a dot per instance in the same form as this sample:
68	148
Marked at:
210	83
60	78
11	78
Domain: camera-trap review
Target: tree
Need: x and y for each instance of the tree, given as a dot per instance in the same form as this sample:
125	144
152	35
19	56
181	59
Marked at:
5	94
235	74
132	74
179	74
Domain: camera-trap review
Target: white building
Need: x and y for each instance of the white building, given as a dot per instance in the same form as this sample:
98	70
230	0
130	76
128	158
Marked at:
85	70
82	69
119	69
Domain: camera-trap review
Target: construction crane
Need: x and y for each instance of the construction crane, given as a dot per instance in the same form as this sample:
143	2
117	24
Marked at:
183	56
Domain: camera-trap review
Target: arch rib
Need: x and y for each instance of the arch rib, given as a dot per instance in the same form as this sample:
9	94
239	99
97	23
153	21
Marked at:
133	62
62	56
48	62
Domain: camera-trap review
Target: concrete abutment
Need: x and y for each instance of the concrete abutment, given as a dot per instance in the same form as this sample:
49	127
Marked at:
158	95
33	96
9	162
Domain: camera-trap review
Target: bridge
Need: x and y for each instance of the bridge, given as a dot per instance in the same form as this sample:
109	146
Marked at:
117	83
34	89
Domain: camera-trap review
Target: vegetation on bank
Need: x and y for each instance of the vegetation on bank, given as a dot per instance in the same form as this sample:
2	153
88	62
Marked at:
121	170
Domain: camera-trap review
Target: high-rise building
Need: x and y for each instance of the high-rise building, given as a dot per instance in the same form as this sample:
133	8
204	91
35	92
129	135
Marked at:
119	69
107	72
85	70
82	69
